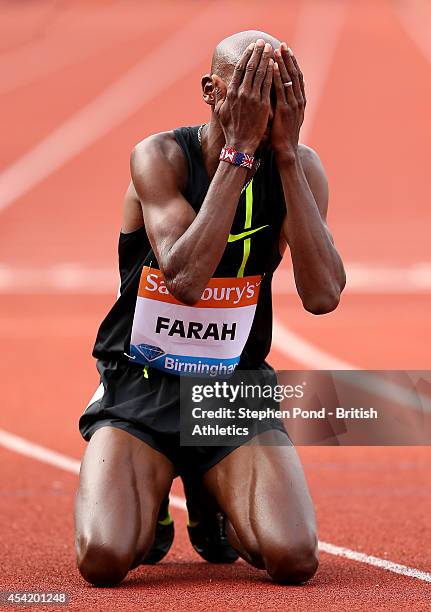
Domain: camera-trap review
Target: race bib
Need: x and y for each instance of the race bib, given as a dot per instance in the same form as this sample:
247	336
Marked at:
206	339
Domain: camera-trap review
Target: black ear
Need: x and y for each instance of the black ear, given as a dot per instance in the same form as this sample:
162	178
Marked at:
208	90
220	90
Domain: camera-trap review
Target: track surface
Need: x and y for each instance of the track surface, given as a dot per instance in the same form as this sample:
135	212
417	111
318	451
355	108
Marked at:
369	102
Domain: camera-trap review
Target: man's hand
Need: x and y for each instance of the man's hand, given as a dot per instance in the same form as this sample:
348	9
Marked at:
291	101
243	110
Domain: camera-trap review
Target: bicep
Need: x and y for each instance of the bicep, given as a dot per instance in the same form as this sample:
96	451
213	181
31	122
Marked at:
132	211
166	212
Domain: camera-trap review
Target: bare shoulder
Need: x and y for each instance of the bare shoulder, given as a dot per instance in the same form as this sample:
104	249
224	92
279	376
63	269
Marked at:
158	168
159	153
311	161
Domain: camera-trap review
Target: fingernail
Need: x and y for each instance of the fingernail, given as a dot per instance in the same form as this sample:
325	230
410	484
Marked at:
251	46
283	46
277	52
260	42
290	51
275	66
267	47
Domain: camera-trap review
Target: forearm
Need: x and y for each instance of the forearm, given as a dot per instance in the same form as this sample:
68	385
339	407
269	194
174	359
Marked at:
318	270
189	247
193	258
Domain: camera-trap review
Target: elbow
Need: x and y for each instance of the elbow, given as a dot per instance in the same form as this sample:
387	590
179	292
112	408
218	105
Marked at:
343	279
182	288
323	303
186	296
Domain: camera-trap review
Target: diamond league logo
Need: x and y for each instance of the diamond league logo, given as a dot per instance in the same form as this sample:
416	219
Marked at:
150	352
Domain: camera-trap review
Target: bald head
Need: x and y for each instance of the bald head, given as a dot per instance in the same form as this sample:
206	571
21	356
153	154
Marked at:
229	51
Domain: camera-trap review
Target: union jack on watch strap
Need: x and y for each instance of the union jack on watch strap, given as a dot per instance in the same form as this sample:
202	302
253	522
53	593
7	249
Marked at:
236	158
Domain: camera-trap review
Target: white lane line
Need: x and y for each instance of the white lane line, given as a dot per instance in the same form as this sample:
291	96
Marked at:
301	351
142	83
415	18
308	353
320	27
396	568
79	278
315	49
53	50
299	348
45	455
35	451
316	37
371	278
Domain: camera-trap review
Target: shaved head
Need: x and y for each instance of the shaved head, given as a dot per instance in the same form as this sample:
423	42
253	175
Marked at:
230	49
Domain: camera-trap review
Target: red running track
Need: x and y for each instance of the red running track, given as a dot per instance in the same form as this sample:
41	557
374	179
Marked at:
368	114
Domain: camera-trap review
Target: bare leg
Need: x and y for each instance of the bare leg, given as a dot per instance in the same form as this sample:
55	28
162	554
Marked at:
122	484
263	492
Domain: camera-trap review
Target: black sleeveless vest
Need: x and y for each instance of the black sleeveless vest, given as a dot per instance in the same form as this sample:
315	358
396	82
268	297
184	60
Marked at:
261	207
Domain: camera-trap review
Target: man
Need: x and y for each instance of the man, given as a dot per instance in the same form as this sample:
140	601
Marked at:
206	210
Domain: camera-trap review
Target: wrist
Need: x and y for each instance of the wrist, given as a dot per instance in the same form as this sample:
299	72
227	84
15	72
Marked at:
241	146
236	158
286	155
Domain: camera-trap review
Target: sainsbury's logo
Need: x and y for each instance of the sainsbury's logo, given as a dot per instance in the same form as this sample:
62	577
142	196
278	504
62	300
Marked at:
220	292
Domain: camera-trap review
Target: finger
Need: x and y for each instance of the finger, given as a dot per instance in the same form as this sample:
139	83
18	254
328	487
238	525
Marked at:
259	77
267	83
240	67
290	95
278	83
252	64
219	90
301	77
285	76
291	68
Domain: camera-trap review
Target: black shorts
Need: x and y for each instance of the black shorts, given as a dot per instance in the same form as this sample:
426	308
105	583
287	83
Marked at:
148	407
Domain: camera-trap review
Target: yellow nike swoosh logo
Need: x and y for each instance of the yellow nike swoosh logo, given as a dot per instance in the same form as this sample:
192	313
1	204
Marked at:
235	237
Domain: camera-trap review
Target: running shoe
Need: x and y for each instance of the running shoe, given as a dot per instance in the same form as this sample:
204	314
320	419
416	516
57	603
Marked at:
208	538
164	536
207	526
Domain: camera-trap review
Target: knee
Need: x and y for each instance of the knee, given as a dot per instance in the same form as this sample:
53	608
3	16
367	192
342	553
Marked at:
102	565
293	564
